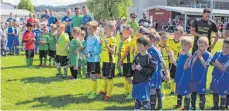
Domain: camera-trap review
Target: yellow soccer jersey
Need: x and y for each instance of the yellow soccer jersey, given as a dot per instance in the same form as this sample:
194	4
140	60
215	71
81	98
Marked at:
134	46
106	56
174	46
164	55
126	49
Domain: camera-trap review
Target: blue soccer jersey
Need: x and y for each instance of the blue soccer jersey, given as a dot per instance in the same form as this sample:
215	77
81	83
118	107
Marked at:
182	77
220	79
10	36
37	33
156	77
86	18
93	48
16	36
67	19
199	73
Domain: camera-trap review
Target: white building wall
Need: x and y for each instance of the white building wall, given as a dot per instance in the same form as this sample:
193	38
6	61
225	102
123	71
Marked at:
6	6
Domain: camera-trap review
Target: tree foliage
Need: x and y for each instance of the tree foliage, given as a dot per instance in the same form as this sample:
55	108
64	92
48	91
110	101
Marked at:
26	4
109	9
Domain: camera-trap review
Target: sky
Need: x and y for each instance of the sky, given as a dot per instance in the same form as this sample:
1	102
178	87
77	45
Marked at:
47	2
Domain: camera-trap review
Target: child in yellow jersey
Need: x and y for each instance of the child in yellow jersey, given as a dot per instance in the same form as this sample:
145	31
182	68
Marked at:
126	59
108	59
174	45
163	48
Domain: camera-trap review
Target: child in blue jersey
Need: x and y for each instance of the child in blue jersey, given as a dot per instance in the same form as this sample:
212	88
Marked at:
93	50
156	81
10	35
220	76
16	39
199	67
143	66
183	73
37	32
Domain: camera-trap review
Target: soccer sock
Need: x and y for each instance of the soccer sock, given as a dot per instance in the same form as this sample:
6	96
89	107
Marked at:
159	98
41	62
223	101
186	103
94	86
53	59
126	86
193	99
153	101
109	87
75	74
27	61
216	100
17	50
130	87
202	101
163	88
179	100
227	101
137	105
66	71
31	61
58	68
146	105
45	60
72	71
50	60
105	84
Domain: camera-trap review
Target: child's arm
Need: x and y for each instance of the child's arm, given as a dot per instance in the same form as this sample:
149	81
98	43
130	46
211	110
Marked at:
124	56
202	60
97	49
171	55
186	65
65	47
166	71
221	66
110	49
147	70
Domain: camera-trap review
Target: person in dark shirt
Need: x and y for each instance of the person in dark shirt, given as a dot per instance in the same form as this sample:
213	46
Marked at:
227	31
203	27
143	67
144	21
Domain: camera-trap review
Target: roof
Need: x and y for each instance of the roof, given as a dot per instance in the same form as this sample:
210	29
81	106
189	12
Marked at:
190	11
21	12
7	3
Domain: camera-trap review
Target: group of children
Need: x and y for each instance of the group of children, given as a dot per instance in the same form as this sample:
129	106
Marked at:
149	61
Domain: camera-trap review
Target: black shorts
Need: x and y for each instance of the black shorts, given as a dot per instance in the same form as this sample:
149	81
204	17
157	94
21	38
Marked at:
172	69
52	53
93	67
43	53
127	71
62	60
29	53
108	70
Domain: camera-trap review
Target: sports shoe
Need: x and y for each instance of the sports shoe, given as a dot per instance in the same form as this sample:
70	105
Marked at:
177	107
102	93
92	96
129	96
106	98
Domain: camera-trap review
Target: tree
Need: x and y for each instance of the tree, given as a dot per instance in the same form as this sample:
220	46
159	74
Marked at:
109	9
26	4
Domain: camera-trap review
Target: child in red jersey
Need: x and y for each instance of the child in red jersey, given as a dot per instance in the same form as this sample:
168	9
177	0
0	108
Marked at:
28	38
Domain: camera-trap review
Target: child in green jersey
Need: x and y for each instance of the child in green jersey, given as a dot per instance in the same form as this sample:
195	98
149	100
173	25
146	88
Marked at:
43	46
52	44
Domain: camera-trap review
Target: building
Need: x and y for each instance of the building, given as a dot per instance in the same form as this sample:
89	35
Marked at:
7	6
21	13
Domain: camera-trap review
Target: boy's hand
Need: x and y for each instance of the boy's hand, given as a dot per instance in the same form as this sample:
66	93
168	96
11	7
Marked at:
138	67
76	68
120	64
170	53
167	76
133	67
217	62
190	57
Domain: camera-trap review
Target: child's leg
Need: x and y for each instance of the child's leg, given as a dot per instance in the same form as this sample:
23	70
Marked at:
137	105
41	56
227	101
163	88
193	100
153	98
146	105
50	60
223	102
109	87
92	71
159	98
187	102
72	71
105	84
75	74
179	101
65	71
17	50
215	101
129	85
45	57
202	101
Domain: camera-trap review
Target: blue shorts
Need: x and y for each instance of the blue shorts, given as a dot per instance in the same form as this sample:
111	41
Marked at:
221	87
141	91
199	87
183	89
155	82
15	41
9	42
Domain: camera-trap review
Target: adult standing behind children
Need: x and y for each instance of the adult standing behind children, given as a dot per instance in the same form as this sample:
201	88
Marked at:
204	26
86	18
76	20
68	21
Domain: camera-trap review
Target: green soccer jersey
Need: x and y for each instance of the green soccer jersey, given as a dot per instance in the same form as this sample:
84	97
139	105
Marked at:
52	42
62	41
43	38
74	58
76	21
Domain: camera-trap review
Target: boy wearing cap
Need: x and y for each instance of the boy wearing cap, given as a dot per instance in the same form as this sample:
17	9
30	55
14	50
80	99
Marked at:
29	39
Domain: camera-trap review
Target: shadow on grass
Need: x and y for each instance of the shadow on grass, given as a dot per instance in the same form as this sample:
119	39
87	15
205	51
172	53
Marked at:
61	101
42	80
14	67
119	84
119	108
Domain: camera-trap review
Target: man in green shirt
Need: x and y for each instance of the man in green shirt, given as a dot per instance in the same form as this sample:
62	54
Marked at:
76	20
62	50
43	46
133	23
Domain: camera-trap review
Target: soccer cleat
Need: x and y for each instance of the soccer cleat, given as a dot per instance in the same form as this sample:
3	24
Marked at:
215	108
177	107
129	97
106	98
92	96
102	93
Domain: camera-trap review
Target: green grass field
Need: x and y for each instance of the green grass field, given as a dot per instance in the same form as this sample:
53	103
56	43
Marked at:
38	88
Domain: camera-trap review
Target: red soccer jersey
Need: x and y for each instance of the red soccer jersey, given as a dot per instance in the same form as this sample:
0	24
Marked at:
31	20
28	38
